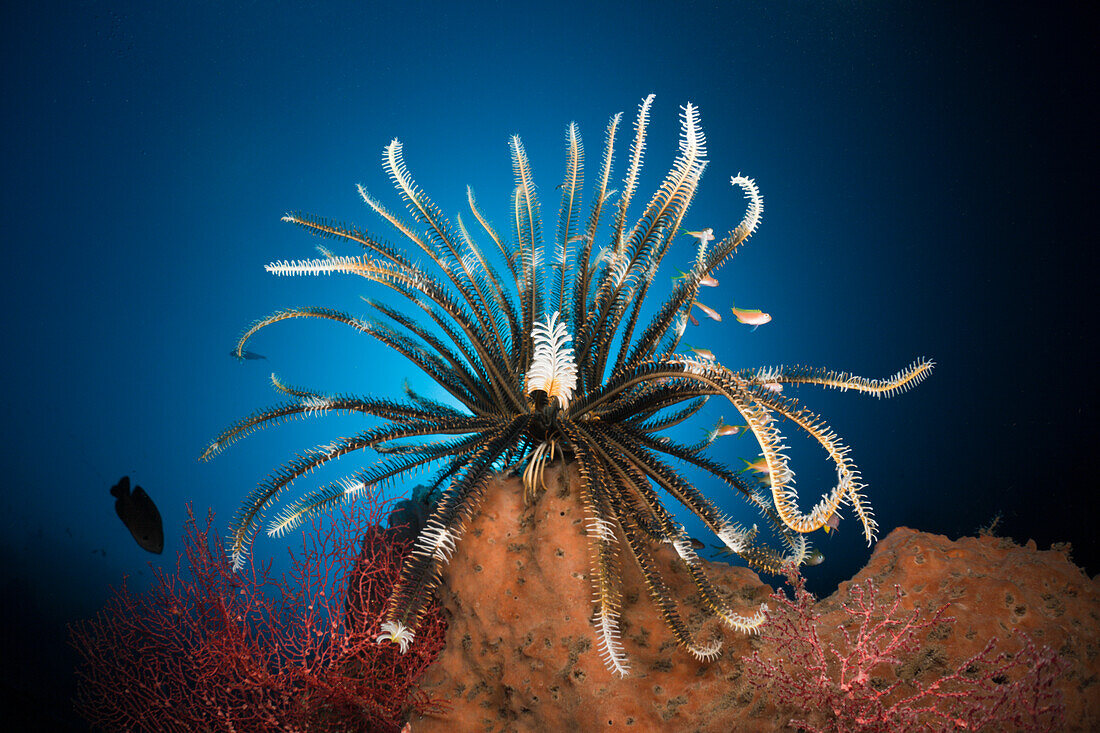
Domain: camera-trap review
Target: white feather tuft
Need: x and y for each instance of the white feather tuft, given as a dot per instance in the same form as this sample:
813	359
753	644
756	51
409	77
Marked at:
552	368
398	633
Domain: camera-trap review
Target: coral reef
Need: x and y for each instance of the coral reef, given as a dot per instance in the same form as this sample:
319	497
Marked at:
522	652
881	679
492	327
994	588
209	649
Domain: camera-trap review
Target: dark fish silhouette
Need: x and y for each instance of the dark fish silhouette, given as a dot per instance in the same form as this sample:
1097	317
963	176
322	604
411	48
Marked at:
250	355
410	515
138	512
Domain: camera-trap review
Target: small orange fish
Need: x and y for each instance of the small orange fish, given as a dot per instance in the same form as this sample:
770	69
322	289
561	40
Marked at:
760	465
722	429
706	280
711	313
704	236
703	353
750	317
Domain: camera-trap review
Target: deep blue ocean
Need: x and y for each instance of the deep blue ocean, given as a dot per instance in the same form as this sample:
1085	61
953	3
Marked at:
927	177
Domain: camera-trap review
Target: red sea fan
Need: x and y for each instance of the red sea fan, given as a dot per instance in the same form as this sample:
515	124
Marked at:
210	649
854	685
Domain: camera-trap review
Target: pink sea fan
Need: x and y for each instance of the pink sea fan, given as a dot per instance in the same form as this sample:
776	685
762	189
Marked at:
856	685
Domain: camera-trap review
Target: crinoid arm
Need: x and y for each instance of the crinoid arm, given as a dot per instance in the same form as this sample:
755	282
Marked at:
542	353
902	381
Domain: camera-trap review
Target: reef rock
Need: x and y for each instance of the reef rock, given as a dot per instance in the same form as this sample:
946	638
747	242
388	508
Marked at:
521	650
994	587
